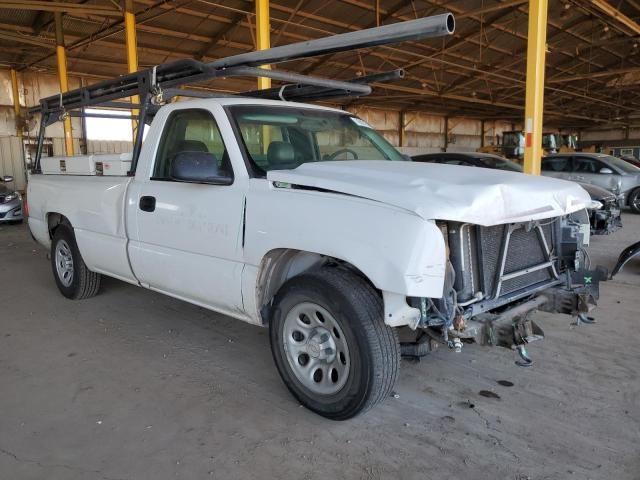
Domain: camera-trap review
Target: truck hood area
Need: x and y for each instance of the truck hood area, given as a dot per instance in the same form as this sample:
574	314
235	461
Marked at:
443	192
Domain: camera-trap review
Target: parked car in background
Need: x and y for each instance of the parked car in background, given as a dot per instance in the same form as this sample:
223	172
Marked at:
632	160
604	219
611	173
10	202
470	159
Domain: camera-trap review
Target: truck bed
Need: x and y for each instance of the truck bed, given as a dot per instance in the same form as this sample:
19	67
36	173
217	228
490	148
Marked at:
95	206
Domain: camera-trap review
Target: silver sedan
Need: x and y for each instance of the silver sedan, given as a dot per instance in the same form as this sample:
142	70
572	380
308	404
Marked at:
10	203
610	173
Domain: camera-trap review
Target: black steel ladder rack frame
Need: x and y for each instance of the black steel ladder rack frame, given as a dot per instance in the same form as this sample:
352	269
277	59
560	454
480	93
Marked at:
154	86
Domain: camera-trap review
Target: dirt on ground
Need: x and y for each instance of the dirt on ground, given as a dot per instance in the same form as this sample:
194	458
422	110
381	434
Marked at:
135	385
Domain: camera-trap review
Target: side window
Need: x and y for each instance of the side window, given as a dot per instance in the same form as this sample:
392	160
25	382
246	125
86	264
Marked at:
190	131
588	165
556	164
455	161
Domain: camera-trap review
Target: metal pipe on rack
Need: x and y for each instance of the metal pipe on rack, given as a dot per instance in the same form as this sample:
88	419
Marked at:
428	27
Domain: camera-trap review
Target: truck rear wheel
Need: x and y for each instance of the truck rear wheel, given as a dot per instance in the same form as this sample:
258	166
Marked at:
72	276
331	345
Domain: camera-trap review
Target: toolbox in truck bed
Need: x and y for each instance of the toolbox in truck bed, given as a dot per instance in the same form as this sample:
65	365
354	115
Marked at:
112	164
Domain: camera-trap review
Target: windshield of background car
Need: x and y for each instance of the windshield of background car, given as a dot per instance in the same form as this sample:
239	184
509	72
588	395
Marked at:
621	164
512	139
277	138
500	163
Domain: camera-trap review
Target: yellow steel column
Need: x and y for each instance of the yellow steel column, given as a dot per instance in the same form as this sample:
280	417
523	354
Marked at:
263	42
534	105
132	52
16	99
263	35
62	77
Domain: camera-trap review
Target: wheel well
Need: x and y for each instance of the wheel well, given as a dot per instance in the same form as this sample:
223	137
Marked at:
54	220
281	264
630	196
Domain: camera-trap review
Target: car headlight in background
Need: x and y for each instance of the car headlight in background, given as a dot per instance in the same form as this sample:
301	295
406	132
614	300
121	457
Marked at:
12	196
595	205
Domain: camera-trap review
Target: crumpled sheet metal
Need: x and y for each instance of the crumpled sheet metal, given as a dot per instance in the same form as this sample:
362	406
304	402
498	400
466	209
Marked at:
444	192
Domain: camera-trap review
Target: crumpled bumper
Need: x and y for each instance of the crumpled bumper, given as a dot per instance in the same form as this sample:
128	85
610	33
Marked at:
606	220
11	211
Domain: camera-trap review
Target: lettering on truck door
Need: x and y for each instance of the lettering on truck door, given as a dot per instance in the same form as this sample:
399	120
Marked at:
187	236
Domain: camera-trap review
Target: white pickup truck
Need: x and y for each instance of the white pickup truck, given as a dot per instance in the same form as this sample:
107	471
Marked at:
305	220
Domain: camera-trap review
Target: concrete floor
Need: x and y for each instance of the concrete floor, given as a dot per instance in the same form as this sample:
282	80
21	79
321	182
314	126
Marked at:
135	385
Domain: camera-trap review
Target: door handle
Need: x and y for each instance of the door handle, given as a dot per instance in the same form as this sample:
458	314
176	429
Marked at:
579	177
147	204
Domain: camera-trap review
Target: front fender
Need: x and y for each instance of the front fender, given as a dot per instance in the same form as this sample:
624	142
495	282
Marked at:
397	250
627	254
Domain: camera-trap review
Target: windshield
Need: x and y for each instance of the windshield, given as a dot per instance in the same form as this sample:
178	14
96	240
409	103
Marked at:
621	164
500	163
549	141
568	141
512	139
277	138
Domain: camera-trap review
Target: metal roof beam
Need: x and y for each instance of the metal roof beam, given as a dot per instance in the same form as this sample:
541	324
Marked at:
592	75
62	7
617	15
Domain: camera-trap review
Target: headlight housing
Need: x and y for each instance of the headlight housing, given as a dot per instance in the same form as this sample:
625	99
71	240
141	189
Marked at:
12	196
595	205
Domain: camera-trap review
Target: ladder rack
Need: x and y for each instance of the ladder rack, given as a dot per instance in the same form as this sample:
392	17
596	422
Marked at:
156	85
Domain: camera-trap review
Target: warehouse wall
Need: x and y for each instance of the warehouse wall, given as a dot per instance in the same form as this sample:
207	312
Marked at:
425	133
32	87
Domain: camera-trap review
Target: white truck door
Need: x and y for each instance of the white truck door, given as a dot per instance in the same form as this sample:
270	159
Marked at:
187	236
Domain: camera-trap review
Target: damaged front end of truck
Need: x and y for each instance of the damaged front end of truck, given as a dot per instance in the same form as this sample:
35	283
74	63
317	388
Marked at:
497	276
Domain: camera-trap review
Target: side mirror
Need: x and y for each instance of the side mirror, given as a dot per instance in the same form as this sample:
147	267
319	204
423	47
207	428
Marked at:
199	167
7	178
606	171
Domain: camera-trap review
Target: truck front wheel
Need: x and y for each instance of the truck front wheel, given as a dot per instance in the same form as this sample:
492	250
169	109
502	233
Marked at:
72	276
331	345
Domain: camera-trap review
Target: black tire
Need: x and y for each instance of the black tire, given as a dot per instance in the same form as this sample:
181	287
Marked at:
84	283
374	350
634	200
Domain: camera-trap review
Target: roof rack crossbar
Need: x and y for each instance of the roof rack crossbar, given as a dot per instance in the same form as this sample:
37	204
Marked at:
301	92
297	78
184	92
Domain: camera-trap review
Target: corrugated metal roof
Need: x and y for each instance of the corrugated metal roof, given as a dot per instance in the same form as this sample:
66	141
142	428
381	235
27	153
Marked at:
481	69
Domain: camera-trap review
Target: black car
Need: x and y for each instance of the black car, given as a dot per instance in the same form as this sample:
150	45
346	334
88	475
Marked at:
604	220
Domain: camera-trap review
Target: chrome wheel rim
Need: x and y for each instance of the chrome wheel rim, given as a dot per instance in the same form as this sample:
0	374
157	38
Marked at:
64	263
316	348
636	202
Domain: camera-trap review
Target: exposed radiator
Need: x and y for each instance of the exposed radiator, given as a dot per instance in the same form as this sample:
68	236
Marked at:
479	252
525	249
